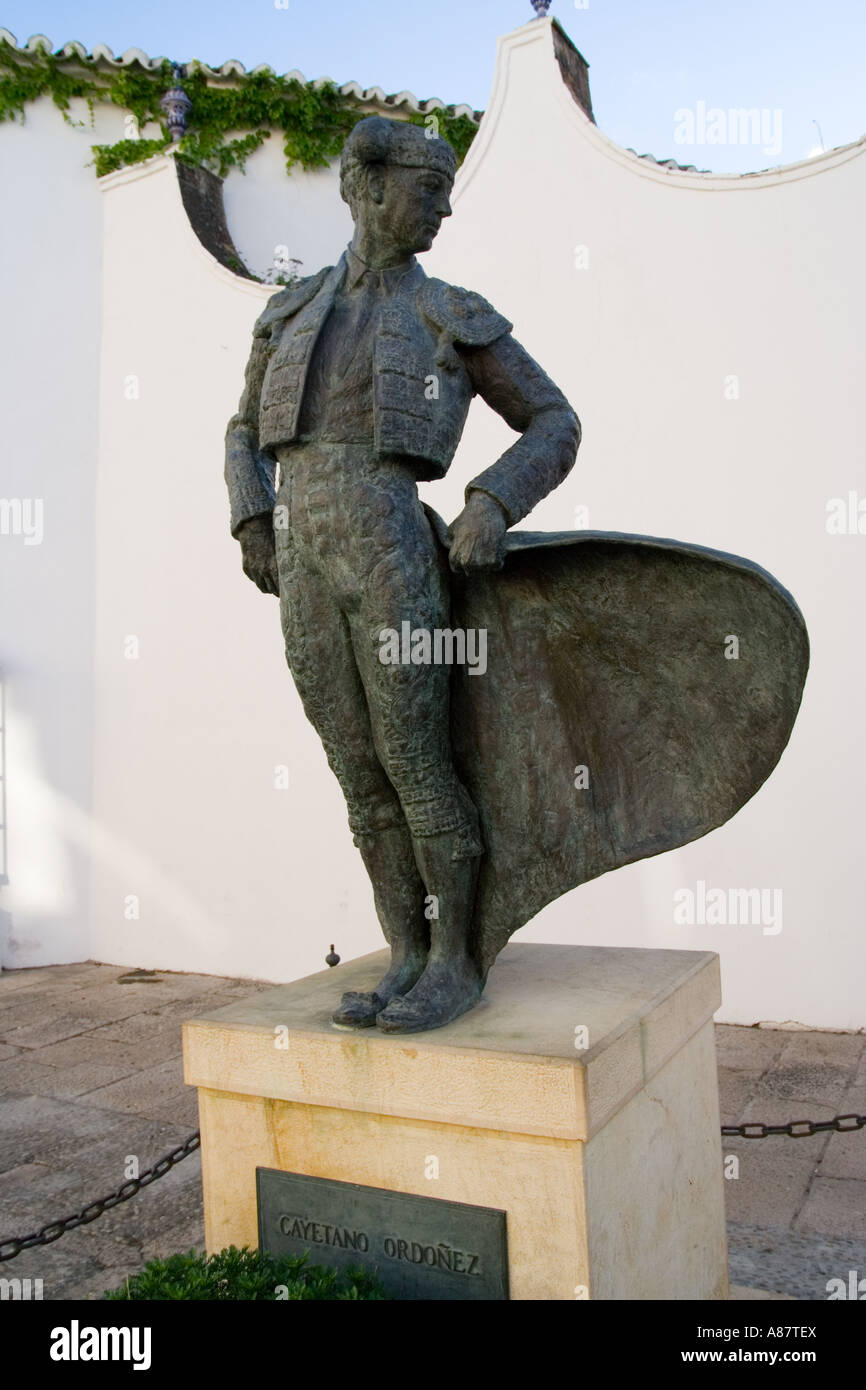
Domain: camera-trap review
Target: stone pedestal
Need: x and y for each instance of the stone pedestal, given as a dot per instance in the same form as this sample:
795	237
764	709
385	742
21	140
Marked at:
580	1097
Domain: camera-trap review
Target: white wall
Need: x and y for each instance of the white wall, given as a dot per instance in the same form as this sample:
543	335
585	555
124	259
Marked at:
50	238
691	279
266	208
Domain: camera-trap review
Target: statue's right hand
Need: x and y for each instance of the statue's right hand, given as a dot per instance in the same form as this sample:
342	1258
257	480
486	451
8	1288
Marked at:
258	552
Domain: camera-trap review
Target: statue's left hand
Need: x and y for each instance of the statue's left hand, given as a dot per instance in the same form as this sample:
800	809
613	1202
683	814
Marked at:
258	552
478	535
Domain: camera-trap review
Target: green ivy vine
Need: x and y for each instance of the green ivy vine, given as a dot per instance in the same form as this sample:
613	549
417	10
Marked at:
312	120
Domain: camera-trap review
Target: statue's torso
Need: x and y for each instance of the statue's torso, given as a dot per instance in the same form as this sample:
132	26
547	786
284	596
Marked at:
390	377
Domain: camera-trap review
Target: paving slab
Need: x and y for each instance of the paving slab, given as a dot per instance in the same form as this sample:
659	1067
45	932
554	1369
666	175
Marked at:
736	1089
25	1188
45	979
748	1049
775	1177
87	1047
46	1129
838	1049
845	1154
144	1092
42	1029
144	1028
29	1075
834	1206
807	1083
145	1050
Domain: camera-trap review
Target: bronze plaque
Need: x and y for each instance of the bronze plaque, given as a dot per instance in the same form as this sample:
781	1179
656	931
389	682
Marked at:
418	1247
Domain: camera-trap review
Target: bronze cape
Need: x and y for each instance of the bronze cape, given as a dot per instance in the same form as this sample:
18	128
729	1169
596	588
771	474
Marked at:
608	651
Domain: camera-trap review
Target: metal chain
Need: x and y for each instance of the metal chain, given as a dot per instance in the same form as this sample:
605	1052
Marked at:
797	1129
13	1245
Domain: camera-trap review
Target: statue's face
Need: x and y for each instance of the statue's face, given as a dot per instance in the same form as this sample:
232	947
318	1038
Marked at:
411	204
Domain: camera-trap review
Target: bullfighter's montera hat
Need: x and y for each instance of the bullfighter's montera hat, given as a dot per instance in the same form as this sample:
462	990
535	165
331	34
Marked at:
377	140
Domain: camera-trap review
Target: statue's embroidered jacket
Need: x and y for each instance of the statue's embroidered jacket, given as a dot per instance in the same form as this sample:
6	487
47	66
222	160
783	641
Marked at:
436	346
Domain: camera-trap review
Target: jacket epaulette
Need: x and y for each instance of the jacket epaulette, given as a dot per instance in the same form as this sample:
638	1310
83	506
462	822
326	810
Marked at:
288	301
465	316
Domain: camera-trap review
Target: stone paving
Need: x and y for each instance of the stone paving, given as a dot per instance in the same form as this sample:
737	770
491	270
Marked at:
797	1211
91	1079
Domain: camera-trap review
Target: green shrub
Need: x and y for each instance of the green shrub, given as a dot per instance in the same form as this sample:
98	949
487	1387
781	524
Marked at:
245	1274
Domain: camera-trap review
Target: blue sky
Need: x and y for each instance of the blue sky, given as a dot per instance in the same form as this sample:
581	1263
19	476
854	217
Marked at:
797	61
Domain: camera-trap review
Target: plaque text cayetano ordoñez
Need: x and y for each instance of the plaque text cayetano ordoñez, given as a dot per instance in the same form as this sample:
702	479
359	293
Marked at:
440	1256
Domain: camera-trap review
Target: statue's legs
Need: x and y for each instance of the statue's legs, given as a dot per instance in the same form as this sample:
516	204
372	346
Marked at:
409	709
321	658
357	557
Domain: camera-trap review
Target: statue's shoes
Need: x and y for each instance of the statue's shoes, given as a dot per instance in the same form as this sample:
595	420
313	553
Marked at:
403	1015
357	1010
